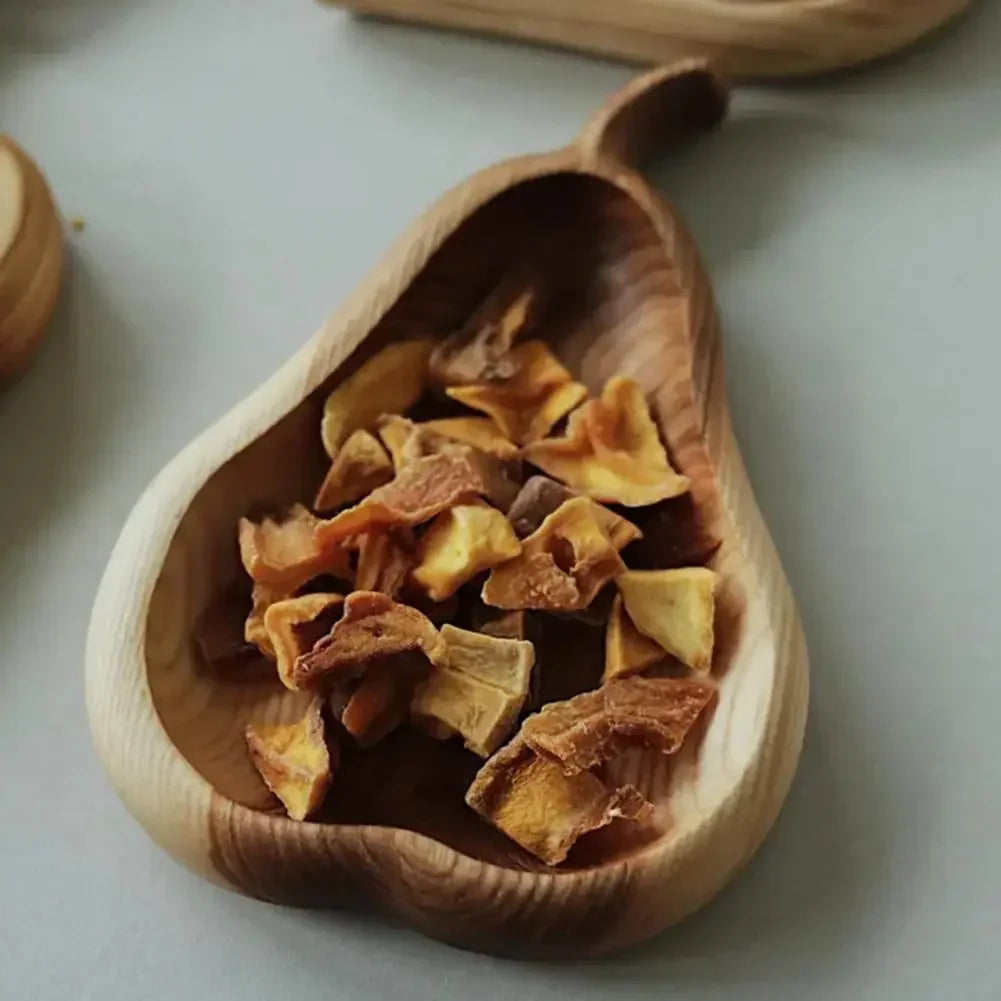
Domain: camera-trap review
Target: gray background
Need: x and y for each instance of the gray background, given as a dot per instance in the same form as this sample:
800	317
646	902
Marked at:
240	166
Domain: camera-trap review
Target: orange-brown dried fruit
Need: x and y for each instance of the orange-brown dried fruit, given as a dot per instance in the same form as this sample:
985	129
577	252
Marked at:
480	691
286	553
421	490
481	346
460	543
389	382
595	727
293	625
262	597
544	810
373	626
361	465
611	450
561	567
294	760
479	432
381	700
526	405
385	559
540	496
627	650
675	608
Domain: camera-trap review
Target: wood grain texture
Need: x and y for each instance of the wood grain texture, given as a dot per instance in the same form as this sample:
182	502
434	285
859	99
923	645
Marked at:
759	39
31	258
630	296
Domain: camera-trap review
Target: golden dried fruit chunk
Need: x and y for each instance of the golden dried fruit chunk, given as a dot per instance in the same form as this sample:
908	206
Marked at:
675	608
561	567
293	625
480	432
294	761
385	559
480	692
595	727
394	431
526	405
484	341
611	450
361	465
389	382
421	490
460	543
381	701
286	552
627	650
262	597
544	810
540	496
373	626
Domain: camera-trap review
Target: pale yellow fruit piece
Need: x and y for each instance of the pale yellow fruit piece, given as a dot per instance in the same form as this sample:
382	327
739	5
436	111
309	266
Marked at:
480	432
675	608
389	382
627	650
460	543
293	760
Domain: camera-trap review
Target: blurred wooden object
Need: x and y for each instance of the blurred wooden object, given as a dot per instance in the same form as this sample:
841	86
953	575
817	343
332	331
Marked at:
31	258
746	38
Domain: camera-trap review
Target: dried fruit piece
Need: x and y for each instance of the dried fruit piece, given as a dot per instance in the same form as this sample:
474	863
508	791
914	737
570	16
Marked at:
480	692
675	608
294	761
480	432
262	597
527	404
508	625
394	432
561	567
595	727
475	350
421	490
627	650
286	552
385	558
611	450
293	625
389	382
381	701
460	543
544	810
373	626
360	466
540	496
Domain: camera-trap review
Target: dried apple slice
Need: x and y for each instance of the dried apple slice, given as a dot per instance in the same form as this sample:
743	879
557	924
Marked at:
544	810
675	608
385	559
475	350
373	626
611	451
561	567
294	760
526	405
480	432
460	543
286	552
421	490
590	729
381	701
389	382
540	496
360	466
480	692
262	597
627	650
293	625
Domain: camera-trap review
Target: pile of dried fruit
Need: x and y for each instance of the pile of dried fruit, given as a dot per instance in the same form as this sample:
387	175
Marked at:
419	523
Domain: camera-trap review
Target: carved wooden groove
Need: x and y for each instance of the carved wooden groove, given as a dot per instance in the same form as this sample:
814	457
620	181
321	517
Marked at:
631	297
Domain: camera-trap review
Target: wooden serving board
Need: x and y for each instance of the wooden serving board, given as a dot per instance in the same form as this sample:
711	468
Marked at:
746	38
629	297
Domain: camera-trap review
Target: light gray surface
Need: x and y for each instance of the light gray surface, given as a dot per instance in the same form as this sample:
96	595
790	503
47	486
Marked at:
240	166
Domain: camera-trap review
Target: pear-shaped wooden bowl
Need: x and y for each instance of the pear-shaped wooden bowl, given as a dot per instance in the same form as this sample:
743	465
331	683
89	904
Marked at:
628	295
748	38
31	258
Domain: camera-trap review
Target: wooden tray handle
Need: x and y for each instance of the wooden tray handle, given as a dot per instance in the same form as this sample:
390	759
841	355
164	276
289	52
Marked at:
655	112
